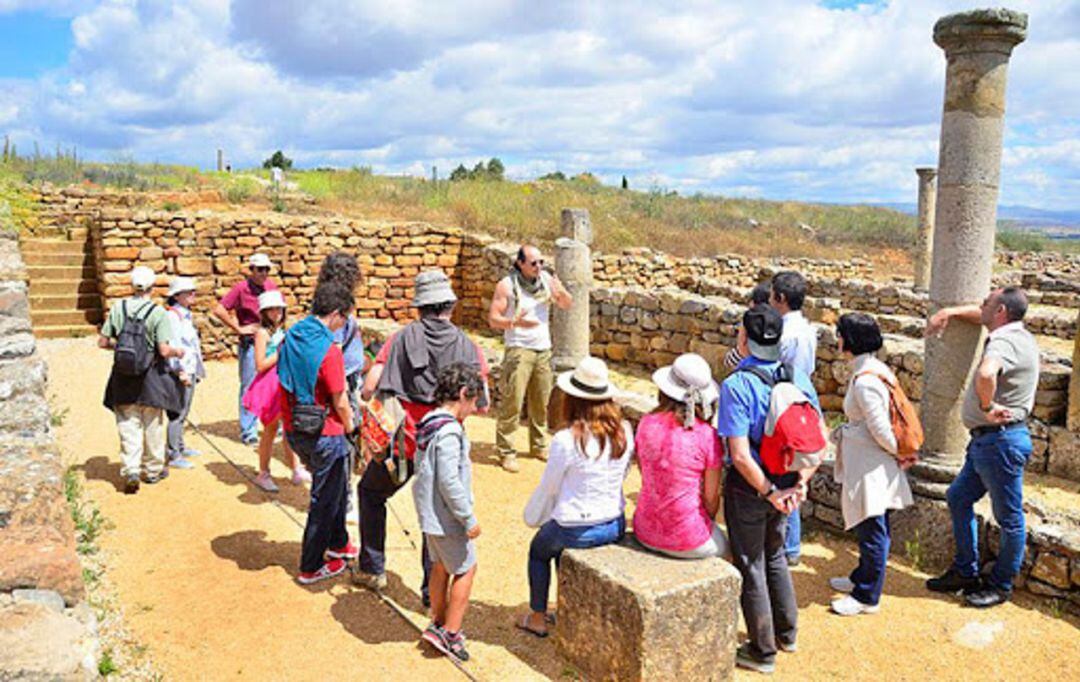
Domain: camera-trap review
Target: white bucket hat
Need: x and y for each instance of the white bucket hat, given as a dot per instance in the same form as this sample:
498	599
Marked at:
688	380
142	278
589	380
179	285
432	288
259	260
271	299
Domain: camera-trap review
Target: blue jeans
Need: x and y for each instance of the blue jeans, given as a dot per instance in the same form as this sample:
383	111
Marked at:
551	540
249	423
793	536
869	576
325	527
994	464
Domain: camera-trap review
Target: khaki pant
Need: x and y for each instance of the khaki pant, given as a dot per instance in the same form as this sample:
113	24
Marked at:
142	439
526	374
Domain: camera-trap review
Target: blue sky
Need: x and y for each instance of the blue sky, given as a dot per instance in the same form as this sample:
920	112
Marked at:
826	100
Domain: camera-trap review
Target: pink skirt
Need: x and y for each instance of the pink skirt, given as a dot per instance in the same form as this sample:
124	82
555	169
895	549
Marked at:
262	398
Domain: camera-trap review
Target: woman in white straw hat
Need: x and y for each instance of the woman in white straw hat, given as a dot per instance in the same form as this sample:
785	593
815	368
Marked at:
262	398
579	502
679	454
189	369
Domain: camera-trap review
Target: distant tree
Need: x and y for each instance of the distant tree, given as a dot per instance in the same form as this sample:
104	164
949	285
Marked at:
625	184
279	160
495	169
478	171
557	175
459	173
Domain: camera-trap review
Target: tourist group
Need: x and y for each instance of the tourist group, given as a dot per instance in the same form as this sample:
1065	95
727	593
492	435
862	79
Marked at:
749	443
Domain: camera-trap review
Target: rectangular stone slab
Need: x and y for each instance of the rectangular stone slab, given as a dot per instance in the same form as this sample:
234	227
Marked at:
629	614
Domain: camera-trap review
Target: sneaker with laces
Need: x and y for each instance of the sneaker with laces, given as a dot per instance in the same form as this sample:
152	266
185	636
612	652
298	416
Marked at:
455	645
328	570
372	581
191	452
300	476
151	479
264	482
842	584
746	658
510	463
349	551
951	582
435	636
850	606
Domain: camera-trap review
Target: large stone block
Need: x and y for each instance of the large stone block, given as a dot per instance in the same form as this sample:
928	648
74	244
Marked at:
628	614
1063	456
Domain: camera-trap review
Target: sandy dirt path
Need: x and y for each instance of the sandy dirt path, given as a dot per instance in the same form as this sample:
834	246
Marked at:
204	565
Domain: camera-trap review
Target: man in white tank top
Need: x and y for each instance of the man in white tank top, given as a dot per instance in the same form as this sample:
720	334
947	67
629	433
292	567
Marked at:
520	308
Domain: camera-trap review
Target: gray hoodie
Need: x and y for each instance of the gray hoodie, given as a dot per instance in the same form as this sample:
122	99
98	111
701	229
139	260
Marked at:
442	489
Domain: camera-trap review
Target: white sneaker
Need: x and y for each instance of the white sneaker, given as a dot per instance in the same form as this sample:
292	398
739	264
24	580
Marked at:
300	476
850	606
842	584
265	482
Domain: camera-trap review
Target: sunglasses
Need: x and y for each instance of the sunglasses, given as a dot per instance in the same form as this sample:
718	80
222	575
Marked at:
261	269
534	263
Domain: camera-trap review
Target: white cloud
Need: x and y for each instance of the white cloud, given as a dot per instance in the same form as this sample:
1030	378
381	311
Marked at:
778	98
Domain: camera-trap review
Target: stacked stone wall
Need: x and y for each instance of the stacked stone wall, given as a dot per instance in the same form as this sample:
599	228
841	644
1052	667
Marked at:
214	248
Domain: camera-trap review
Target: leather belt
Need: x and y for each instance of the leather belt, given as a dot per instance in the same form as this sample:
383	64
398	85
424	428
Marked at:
994	428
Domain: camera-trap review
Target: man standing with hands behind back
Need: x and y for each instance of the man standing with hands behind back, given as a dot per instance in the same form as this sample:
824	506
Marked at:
521	308
239	310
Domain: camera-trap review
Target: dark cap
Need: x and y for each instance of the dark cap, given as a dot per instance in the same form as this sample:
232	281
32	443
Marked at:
763	328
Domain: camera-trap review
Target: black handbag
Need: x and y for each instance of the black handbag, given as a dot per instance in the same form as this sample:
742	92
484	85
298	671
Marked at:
308	420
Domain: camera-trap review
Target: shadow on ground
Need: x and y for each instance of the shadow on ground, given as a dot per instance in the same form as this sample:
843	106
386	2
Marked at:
294	496
101	468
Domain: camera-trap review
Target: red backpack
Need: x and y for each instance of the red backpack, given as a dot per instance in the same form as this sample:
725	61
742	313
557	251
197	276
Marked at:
793	438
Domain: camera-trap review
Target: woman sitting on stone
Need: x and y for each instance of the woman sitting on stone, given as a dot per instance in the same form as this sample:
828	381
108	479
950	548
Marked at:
870	475
679	453
579	501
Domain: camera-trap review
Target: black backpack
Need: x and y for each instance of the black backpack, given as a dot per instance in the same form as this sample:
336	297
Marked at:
132	356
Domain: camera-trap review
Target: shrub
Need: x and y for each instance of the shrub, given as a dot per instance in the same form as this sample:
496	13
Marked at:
278	160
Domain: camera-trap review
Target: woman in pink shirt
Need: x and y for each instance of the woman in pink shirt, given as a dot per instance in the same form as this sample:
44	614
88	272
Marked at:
679	454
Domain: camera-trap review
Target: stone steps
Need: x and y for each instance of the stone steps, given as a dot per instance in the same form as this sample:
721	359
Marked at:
68	272
52	287
65	301
64	331
65	317
33	247
43	258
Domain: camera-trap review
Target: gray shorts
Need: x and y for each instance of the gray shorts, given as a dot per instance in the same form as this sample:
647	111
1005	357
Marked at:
456	553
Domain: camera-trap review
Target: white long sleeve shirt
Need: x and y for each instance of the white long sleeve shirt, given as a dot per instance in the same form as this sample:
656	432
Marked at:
580	488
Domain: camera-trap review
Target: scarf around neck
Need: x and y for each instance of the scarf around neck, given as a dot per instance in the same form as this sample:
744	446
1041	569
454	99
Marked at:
537	287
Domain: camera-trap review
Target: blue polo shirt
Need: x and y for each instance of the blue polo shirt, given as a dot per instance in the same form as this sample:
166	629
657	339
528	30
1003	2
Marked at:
744	403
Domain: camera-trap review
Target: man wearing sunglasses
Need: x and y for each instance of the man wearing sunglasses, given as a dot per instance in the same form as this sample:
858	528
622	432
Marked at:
239	310
520	308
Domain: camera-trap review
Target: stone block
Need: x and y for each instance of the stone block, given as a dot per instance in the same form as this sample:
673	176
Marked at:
194	266
627	614
927	526
1053	569
1063	456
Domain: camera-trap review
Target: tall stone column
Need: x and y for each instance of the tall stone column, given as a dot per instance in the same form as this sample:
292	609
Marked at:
220	160
977	47
1072	419
924	239
573	265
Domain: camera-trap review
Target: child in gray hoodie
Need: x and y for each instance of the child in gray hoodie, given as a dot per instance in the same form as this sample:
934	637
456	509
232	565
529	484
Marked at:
442	493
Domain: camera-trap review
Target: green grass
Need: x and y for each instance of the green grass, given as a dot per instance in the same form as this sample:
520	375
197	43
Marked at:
106	666
88	519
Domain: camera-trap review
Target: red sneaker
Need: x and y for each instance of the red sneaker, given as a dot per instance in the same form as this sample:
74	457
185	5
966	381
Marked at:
349	551
327	570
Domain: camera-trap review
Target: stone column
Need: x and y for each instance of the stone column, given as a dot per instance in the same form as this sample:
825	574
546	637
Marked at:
977	47
220	160
1072	420
924	239
573	265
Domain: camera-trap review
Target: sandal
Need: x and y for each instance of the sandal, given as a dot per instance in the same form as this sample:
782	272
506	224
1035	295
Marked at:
523	624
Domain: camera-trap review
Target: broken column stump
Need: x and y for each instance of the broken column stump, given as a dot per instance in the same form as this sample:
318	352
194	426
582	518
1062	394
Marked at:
628	614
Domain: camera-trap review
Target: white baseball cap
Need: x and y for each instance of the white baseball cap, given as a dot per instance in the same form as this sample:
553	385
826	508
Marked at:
179	285
142	278
259	260
271	299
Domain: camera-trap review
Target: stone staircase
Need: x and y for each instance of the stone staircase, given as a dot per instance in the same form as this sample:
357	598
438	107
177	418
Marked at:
64	300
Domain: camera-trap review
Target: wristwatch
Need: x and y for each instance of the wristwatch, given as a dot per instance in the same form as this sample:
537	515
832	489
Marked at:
772	489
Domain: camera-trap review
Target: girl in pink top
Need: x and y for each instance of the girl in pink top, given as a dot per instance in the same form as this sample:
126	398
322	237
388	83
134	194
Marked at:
679	454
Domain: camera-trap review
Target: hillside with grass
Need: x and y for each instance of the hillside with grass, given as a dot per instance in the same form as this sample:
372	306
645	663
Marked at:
526	210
